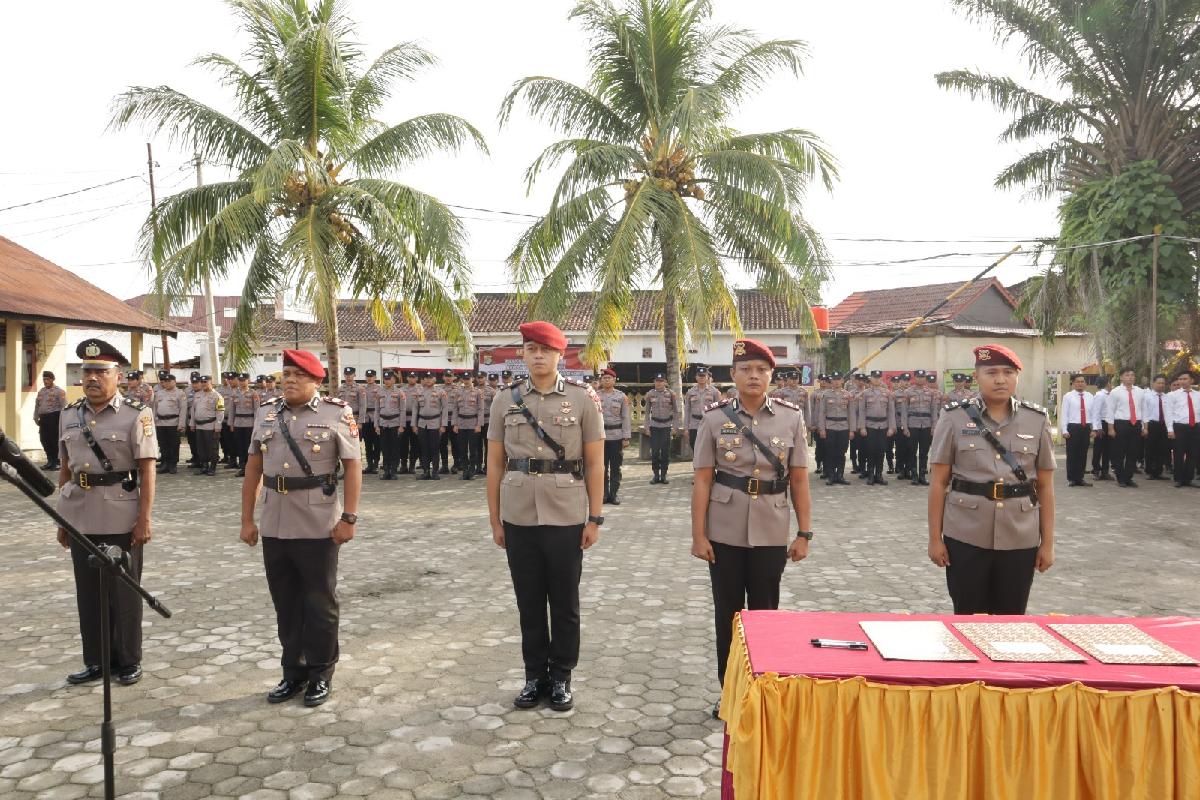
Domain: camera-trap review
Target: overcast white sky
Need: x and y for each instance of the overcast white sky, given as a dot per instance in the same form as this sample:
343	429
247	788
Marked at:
916	162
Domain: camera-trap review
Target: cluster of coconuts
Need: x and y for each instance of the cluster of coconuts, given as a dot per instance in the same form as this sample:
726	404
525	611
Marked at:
673	173
298	195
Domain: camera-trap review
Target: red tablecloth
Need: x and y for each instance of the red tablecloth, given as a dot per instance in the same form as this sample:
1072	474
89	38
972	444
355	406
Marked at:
778	642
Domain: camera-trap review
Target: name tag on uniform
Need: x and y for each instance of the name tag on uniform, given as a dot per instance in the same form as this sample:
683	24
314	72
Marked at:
1024	435
969	432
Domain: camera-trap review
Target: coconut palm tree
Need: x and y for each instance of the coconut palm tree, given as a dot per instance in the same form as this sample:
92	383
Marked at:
310	210
660	188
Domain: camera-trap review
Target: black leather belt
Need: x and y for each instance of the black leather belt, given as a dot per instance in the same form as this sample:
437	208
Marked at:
251	414
284	484
835	419
541	466
615	427
876	419
697	416
204	421
385	416
751	486
168	416
89	479
662	419
433	416
918	414
994	491
468	416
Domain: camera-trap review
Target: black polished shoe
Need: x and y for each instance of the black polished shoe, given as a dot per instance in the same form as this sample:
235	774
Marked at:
286	690
128	676
49	466
614	500
443	471
1129	484
561	698
532	694
663	480
163	469
371	469
880	481
437	476
92	672
716	710
241	473
318	692
172	469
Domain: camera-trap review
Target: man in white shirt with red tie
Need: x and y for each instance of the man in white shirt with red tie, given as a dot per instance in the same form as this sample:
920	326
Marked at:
1123	423
1153	414
1183	408
1080	420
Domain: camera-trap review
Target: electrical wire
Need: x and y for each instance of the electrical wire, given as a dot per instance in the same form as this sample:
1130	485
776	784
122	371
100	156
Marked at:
68	194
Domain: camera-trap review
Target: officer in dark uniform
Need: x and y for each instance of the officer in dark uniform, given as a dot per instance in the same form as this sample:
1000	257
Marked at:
299	441
991	510
107	447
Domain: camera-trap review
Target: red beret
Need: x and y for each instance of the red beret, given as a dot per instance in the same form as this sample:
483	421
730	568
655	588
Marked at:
996	355
749	350
544	333
302	359
609	371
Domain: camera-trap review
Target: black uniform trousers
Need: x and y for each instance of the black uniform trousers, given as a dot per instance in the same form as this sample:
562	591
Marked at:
835	452
389	445
983	581
410	447
1077	448
241	444
1157	449
614	457
168	444
819	454
742	577
48	435
919	440
429	438
302	578
1124	449
856	453
1187	451
124	605
660	450
1101	451
370	437
546	564
444	448
192	447
897	443
228	449
692	439
483	444
206	447
876	441
470	454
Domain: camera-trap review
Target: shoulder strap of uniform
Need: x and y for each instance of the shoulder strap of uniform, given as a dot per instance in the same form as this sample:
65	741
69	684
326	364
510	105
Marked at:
92	443
133	402
1033	407
951	406
780	469
989	436
519	402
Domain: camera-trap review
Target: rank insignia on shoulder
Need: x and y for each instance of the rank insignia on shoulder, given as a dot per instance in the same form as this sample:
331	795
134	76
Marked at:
951	406
717	404
135	403
336	401
786	403
1033	407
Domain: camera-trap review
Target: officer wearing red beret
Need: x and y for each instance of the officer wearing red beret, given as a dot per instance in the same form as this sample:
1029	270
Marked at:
991	502
545	482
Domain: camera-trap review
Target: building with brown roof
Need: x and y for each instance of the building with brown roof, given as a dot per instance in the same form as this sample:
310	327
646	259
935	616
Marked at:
39	302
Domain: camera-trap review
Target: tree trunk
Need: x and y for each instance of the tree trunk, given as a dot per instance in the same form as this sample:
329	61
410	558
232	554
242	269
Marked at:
332	340
671	338
1101	313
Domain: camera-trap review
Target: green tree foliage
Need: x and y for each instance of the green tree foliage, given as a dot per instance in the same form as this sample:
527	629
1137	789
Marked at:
659	188
310	211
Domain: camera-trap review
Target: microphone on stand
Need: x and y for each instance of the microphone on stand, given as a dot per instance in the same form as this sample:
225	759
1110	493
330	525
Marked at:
11	454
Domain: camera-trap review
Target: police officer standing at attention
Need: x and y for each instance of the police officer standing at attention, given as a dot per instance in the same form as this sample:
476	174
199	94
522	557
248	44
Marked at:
170	421
369	421
392	407
466	418
227	390
299	440
136	389
618	420
206	419
432	415
50	402
835	418
245	402
751	453
698	398
270	389
660	422
962	389
991	503
876	410
545	485
447	446
489	384
107	451
919	416
814	402
193	388
410	444
350	393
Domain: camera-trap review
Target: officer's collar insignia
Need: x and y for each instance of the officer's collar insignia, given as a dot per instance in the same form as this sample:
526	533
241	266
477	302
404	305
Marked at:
92	350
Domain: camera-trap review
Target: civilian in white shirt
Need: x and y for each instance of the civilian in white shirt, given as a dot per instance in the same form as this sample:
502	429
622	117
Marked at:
1080	424
1122	419
1100	451
1154	428
1183	411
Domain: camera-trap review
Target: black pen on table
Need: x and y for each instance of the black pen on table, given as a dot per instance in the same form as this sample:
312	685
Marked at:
838	644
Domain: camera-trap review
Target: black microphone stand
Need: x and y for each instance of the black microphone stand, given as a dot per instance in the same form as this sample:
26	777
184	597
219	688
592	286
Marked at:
112	562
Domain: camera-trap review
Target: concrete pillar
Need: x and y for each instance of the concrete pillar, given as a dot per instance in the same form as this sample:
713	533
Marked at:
939	357
135	350
13	370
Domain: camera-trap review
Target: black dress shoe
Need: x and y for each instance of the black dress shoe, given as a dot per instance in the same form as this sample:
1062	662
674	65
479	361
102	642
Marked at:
163	469
443	471
318	692
614	500
716	710
128	676
881	481
370	470
241	473
92	672
663	480
532	694
286	690
1130	484
437	476
172	469
561	698
49	466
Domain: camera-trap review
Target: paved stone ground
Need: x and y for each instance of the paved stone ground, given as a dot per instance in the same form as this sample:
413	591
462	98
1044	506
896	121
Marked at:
430	660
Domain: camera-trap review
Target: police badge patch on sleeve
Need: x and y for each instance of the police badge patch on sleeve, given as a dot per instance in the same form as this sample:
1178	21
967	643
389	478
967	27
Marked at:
348	418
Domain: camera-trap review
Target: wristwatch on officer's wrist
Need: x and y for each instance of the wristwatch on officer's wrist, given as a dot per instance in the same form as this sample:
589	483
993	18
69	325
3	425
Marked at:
597	520
806	535
349	518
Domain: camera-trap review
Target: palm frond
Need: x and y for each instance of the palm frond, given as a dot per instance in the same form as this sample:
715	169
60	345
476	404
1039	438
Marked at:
398	146
400	62
568	108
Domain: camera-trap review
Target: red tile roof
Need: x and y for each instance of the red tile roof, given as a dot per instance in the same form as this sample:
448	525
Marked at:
891	309
33	288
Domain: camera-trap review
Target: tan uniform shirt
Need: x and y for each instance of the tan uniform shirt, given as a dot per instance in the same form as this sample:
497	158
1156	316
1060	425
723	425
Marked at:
876	408
49	399
836	411
245	403
393	405
432	409
226	392
996	525
489	396
922	408
467	408
170	408
208	411
326	431
618	419
570	415
351	394
694	403
412	391
960	395
124	429
660	409
370	404
734	517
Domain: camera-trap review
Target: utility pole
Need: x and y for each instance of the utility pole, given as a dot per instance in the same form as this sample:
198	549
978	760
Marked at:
210	312
1152	344
157	268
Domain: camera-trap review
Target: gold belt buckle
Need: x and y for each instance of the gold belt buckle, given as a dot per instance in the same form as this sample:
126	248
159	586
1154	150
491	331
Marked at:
281	484
83	480
752	487
998	490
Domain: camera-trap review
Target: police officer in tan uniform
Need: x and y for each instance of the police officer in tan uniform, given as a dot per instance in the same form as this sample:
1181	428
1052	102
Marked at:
618	420
368	420
136	389
740	498
410	443
836	418
227	390
447	446
919	415
660	422
991	513
814	403
392	410
245	403
544	500
48	404
876	414
962	391
432	416
170	408
698	398
466	418
299	441
107	449
207	419
489	384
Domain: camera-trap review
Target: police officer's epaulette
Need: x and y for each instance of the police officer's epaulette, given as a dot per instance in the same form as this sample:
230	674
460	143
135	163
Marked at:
1033	407
718	404
133	402
951	406
270	401
786	403
78	403
335	401
575	382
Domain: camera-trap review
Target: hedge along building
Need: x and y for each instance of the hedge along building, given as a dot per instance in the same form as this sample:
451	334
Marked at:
39	302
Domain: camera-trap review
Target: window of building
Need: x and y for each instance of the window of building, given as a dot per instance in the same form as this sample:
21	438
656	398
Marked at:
780	351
